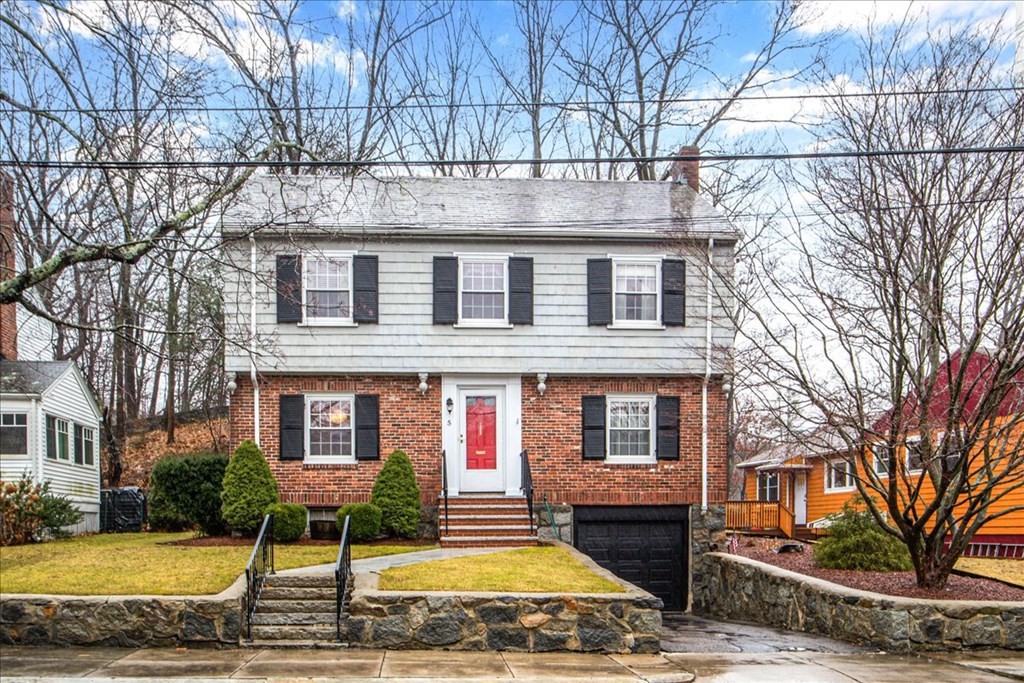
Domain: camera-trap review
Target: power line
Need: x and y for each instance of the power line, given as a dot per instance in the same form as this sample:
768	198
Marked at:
565	104
448	163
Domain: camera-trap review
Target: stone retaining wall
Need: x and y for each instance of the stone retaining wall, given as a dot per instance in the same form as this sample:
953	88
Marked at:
732	587
612	622
123	621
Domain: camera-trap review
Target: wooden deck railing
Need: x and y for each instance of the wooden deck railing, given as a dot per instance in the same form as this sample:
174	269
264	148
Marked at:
759	515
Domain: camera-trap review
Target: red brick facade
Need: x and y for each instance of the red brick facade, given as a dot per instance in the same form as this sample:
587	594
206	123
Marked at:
551	432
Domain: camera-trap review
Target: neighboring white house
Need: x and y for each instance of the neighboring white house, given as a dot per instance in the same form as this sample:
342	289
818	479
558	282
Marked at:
49	430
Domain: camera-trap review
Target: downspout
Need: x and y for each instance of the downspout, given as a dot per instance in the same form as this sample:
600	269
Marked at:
39	423
704	388
252	342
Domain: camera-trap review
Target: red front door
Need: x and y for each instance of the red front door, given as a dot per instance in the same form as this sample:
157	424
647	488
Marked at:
481	433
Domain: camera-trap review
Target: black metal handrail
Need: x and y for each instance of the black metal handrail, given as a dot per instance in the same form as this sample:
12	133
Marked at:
527	475
444	489
261	563
342	572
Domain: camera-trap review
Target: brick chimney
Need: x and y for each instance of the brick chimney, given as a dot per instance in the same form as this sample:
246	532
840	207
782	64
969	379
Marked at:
8	315
687	171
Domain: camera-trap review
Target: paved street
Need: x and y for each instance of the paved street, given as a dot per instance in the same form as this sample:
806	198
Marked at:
40	664
688	633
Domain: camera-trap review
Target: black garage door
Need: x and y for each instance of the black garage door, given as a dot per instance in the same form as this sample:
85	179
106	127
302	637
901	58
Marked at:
645	545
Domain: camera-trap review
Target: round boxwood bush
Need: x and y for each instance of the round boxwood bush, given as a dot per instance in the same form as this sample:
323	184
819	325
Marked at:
289	521
249	488
365	522
855	541
397	495
184	493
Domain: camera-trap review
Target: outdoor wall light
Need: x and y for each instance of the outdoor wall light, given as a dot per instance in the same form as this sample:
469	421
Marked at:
541	387
423	383
232	384
450	405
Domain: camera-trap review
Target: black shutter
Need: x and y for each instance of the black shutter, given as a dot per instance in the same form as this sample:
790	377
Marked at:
593	427
367	427
668	427
599	291
289	289
79	446
520	291
364	289
446	290
673	292
291	418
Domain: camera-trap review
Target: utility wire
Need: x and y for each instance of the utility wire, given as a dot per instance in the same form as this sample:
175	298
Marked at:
372	163
566	104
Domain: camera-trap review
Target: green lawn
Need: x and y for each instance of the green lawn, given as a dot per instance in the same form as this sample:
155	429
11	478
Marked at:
528	570
138	564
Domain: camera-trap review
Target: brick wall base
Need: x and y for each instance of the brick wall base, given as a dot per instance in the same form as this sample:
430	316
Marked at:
551	432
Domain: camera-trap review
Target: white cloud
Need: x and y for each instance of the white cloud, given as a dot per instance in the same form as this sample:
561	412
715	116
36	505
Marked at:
346	8
821	16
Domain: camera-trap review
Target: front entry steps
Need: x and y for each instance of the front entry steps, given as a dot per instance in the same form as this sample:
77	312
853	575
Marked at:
296	610
485	521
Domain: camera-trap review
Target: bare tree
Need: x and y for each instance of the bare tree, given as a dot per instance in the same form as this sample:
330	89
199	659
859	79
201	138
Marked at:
893	314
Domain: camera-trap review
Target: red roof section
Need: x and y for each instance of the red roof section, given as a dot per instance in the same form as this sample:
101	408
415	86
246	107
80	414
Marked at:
974	388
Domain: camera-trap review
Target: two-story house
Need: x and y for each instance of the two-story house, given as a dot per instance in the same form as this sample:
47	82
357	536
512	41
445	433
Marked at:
581	322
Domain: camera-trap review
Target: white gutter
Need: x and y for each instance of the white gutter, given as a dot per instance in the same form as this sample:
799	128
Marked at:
252	342
704	388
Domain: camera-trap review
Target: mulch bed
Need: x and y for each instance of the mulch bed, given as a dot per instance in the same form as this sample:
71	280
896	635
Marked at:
207	541
889	583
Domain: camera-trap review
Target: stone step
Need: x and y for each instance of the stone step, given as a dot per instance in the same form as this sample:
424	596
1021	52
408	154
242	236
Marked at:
485	510
300	580
294	632
488	541
293	618
289	593
294	644
292	606
488	527
489	531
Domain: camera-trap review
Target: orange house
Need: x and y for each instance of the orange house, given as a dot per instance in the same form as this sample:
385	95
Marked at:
809	482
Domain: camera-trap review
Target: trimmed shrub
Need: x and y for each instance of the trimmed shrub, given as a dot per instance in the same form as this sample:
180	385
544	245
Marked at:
184	493
249	487
397	495
21	508
289	521
58	512
365	522
855	541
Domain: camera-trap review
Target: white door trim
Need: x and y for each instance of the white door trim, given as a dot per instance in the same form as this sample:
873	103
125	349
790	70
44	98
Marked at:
800	498
510	440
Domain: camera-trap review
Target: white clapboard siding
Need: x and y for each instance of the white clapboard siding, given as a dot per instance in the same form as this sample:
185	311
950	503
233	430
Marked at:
67	398
406	340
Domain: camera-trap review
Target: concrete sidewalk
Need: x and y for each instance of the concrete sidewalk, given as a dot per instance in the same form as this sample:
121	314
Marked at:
39	664
377	564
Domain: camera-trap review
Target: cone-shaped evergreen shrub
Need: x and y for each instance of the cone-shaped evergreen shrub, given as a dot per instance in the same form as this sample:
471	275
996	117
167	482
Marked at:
289	521
855	541
249	488
397	495
364	524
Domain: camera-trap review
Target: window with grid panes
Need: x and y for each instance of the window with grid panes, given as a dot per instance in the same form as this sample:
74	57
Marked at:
768	486
482	288
14	434
328	288
630	433
636	292
330	427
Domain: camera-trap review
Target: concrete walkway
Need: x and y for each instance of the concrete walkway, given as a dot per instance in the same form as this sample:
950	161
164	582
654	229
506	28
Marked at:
377	564
42	664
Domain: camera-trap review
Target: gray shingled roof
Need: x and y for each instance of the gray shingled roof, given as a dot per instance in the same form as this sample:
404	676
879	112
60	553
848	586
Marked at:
503	205
820	443
30	376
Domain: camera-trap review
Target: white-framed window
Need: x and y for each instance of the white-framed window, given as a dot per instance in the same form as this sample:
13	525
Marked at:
768	486
483	290
327	288
914	460
838	475
13	433
330	435
58	438
636	292
631	425
85	445
881	458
